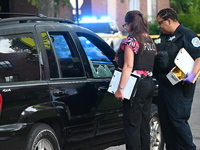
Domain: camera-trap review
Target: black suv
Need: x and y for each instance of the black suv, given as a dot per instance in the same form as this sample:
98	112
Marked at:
54	77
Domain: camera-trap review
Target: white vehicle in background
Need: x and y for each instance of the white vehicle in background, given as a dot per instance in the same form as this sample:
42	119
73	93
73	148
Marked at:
105	28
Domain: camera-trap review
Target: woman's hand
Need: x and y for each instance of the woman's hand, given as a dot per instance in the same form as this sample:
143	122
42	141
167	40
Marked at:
119	94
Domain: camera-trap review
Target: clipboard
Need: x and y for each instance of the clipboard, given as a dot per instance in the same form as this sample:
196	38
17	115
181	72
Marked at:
130	87
184	61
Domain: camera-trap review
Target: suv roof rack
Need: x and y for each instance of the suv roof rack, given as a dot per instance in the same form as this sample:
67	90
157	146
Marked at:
39	17
21	14
34	17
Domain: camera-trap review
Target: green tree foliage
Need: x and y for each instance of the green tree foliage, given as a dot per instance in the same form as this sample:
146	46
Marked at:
188	15
33	2
153	28
182	5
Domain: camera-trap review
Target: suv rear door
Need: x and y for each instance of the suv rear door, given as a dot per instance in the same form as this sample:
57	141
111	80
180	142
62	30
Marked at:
68	85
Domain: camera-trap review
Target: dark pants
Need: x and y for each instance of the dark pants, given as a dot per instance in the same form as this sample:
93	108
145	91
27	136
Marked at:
174	111
136	116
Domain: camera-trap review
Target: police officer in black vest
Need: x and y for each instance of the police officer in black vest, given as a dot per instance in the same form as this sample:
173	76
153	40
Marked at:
175	101
136	54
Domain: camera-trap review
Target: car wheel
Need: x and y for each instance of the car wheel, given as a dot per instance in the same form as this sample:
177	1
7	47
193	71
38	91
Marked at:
42	137
157	142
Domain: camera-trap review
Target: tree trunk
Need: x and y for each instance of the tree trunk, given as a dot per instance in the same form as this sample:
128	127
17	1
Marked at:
46	7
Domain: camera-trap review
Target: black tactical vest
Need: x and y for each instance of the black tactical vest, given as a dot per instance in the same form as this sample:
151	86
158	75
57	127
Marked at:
144	59
167	51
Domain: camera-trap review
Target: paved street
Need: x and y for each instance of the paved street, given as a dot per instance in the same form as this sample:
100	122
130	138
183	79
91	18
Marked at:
194	120
195	117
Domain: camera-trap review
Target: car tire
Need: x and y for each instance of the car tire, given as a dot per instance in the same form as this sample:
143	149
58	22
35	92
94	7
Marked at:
42	137
157	142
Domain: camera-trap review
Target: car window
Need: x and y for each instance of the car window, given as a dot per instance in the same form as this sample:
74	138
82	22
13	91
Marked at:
18	58
70	64
100	64
53	65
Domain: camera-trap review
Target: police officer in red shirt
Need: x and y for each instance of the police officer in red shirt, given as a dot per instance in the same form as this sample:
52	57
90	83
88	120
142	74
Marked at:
136	54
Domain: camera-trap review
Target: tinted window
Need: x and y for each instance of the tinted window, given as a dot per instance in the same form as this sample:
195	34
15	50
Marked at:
101	66
53	67
18	58
70	64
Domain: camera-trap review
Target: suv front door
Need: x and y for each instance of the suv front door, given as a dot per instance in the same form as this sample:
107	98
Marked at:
107	108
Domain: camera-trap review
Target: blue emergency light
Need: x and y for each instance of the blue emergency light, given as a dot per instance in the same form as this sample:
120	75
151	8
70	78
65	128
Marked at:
94	19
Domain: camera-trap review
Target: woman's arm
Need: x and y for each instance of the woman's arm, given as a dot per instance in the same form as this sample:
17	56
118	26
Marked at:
126	72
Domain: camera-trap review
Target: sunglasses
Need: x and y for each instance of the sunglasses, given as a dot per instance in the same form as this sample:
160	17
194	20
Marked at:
124	25
160	22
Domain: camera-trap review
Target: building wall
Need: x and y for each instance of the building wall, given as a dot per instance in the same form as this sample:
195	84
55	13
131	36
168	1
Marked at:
103	7
162	4
65	12
22	6
122	7
86	9
90	7
4	6
143	6
116	9
112	9
99	8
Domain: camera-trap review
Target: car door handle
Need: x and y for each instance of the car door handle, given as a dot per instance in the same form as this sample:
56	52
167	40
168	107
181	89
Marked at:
102	88
59	93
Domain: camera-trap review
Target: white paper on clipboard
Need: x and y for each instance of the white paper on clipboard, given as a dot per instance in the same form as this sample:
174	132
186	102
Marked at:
184	61
130	87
